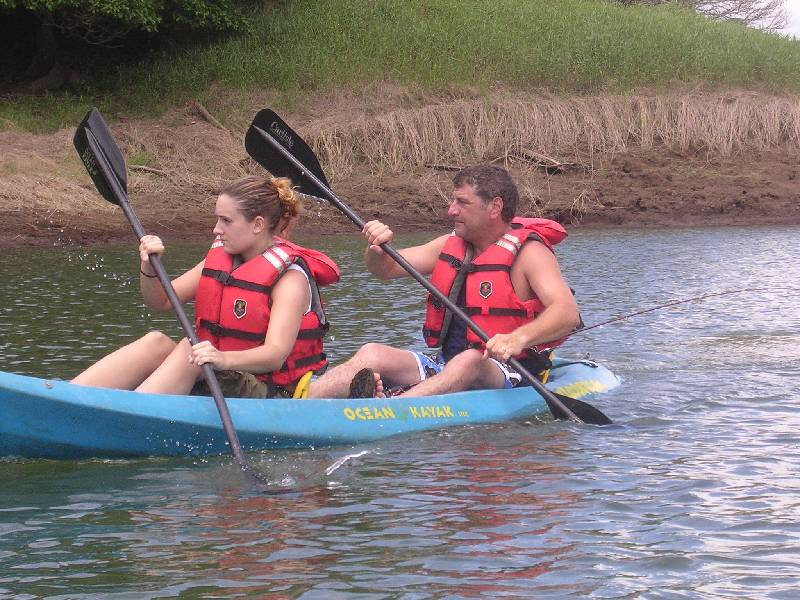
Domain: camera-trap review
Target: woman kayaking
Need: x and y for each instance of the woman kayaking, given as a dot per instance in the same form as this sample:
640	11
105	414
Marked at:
259	314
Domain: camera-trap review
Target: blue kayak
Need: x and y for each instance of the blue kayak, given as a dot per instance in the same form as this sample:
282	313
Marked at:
41	418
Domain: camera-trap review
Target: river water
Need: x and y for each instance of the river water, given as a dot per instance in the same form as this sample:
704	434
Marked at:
693	493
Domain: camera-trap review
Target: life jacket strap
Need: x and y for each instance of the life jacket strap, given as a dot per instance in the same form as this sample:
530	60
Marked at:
457	289
434	333
310	360
495	311
451	260
312	334
218	330
473	268
227	279
303	362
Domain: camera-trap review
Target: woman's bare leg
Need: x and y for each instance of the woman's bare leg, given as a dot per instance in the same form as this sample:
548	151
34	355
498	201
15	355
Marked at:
129	366
175	374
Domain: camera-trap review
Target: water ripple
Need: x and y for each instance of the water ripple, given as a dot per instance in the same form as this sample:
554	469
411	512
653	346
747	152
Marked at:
692	494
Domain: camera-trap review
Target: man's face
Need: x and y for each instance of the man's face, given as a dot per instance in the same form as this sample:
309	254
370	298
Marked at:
469	212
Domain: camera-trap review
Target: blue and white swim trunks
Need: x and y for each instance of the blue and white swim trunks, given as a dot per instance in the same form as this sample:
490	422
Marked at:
431	362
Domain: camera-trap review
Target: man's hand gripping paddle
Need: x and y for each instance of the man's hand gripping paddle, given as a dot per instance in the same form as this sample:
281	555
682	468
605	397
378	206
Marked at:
277	148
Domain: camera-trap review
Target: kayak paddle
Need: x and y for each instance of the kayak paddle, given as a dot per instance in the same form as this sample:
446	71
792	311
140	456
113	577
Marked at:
269	133
106	166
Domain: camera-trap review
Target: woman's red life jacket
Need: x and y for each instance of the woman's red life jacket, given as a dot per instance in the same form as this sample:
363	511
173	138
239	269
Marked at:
490	299
233	305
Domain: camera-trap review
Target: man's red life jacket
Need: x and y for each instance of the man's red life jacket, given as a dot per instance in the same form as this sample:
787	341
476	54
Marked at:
490	299
233	305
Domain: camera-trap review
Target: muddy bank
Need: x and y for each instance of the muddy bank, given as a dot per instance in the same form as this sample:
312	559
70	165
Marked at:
176	163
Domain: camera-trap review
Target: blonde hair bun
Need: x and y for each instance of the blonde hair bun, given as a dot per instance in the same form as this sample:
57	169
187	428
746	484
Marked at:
290	203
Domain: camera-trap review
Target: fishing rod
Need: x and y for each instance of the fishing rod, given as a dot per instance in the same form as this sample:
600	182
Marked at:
665	305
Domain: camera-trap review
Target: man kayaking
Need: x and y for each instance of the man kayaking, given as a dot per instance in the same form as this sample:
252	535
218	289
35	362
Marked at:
500	270
259	315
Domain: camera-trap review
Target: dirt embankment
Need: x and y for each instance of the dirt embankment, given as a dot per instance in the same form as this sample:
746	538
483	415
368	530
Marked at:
176	162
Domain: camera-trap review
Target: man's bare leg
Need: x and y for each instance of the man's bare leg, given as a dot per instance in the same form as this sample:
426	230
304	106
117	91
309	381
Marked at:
468	370
127	367
395	366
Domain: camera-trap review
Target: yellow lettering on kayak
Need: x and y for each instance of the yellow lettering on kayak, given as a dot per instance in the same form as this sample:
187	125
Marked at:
442	411
367	413
581	388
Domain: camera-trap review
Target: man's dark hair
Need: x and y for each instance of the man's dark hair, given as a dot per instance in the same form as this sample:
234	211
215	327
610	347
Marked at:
489	182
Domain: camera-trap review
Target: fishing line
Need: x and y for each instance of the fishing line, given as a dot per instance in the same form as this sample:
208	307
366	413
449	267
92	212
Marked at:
672	303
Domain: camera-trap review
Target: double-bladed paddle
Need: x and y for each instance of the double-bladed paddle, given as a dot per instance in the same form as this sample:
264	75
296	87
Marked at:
106	166
277	148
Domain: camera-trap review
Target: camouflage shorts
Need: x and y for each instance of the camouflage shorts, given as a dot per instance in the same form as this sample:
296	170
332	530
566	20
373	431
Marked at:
234	384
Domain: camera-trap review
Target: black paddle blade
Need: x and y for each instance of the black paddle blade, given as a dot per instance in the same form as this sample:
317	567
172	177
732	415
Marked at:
94	125
273	161
585	412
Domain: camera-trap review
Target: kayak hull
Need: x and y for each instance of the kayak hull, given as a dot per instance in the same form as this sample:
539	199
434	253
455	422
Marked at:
41	418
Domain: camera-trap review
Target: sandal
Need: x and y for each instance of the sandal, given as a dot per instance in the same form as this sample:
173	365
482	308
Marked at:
363	384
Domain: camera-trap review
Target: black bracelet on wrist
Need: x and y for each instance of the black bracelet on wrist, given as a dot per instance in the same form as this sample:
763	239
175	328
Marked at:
146	275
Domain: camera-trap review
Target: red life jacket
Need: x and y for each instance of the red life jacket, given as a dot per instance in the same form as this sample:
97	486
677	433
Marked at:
490	299
233	305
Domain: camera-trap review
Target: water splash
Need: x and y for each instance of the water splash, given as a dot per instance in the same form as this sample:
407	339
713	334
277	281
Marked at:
338	463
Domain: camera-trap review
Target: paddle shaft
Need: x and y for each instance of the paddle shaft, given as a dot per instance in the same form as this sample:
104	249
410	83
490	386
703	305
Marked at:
155	260
397	257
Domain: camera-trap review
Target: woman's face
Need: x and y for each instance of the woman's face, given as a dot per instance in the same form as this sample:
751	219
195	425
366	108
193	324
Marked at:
238	235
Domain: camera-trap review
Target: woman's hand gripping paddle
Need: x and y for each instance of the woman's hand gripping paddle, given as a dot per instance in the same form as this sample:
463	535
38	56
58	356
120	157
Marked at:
277	148
106	166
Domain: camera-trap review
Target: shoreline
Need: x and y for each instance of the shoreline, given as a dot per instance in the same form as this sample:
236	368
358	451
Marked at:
565	172
635	190
71	231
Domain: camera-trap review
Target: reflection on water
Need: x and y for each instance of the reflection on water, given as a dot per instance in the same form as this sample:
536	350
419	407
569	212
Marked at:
692	494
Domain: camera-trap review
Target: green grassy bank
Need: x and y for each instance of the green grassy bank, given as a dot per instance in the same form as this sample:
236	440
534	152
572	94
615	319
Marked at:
303	47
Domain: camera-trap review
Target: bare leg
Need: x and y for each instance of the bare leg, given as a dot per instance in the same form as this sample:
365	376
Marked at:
468	370
175	375
397	367
127	367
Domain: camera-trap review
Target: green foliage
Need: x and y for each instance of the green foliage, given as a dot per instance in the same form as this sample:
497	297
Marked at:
566	46
146	15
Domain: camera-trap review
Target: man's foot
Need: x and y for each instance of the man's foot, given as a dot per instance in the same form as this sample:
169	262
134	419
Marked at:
366	384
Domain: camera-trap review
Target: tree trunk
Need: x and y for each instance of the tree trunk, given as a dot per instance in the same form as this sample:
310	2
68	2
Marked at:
44	58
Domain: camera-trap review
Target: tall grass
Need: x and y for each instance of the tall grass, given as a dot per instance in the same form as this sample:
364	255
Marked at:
305	47
470	131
